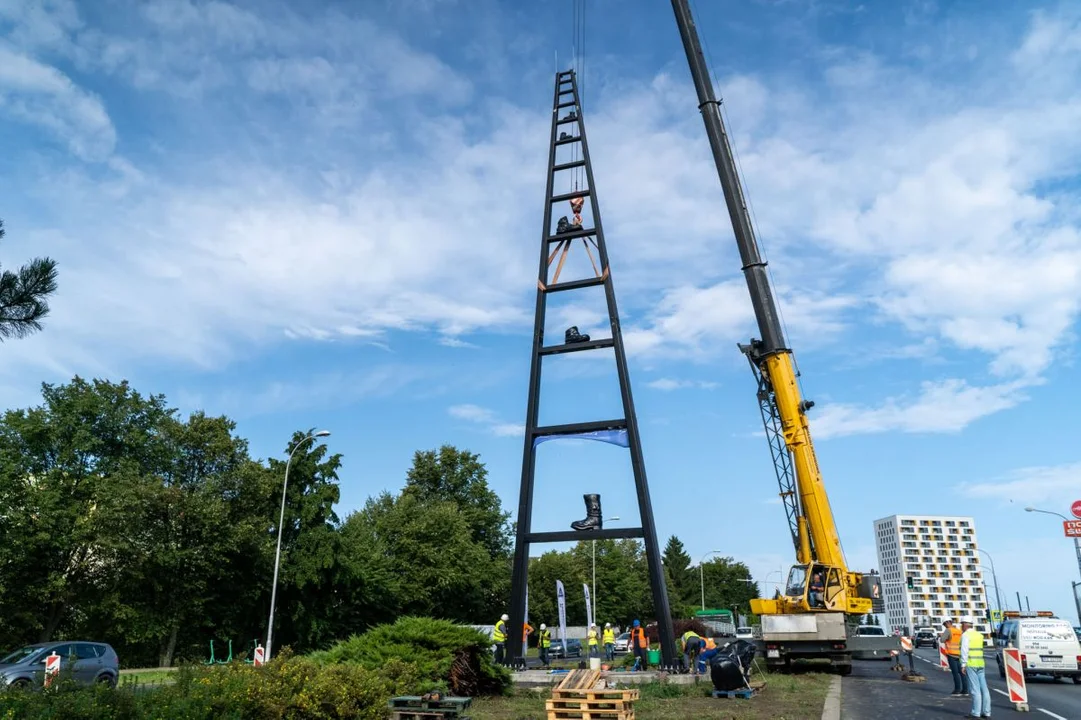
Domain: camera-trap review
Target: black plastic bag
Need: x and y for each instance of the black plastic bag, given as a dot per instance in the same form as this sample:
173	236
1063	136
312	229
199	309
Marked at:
730	668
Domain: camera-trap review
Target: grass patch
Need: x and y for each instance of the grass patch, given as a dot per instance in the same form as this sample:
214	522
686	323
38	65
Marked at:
786	697
148	677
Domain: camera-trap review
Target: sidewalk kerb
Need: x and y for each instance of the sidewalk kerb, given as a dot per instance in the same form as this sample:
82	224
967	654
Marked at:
832	709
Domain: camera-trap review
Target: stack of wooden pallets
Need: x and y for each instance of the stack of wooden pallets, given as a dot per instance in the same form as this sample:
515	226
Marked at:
579	698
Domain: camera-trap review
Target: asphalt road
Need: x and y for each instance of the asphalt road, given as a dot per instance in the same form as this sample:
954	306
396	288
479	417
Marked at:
874	692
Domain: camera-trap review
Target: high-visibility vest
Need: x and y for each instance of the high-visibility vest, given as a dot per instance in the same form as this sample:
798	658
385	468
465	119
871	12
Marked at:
953	644
500	632
545	638
609	637
592	637
975	649
710	644
638	636
687	636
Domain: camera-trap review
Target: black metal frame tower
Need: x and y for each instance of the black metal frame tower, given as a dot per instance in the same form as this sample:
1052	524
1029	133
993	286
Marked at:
553	244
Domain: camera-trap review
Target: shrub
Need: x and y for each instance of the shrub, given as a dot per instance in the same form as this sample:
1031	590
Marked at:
288	687
447	656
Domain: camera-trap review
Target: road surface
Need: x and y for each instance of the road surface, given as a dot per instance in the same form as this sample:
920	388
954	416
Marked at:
874	692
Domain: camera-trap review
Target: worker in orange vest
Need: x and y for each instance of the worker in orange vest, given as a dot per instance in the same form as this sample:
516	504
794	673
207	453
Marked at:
639	645
951	642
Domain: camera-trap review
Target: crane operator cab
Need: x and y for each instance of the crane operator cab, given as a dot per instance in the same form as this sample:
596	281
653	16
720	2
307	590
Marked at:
822	588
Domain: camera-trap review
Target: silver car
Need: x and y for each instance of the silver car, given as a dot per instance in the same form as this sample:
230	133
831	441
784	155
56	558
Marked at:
84	662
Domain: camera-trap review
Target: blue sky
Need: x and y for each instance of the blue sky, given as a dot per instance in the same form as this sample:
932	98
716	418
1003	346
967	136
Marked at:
327	214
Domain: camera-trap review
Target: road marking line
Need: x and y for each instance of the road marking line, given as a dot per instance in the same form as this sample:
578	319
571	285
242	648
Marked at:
1001	692
1048	712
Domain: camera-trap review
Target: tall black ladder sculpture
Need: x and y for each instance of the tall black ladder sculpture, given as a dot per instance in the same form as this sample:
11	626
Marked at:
569	130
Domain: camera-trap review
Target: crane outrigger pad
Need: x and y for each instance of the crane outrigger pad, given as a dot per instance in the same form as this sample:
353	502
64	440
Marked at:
568	133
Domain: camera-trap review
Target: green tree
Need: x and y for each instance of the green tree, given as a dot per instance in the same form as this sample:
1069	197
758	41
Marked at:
679	577
24	296
311	545
441	571
728	584
70	466
543	602
622	589
458	476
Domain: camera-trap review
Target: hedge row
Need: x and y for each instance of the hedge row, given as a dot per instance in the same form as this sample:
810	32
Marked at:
351	681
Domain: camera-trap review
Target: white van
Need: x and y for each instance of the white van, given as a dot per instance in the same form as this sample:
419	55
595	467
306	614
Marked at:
1048	646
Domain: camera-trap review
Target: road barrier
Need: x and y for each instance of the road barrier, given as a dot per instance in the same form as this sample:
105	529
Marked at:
258	656
1015	678
52	668
943	663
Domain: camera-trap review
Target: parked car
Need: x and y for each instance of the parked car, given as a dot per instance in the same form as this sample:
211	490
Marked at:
870	631
925	636
87	662
623	643
745	633
573	648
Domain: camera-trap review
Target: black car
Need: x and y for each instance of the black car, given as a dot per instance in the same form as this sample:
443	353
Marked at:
925	637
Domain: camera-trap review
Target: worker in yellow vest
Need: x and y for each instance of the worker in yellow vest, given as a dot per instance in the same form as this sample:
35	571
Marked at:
951	645
592	638
544	644
974	668
499	637
692	645
609	642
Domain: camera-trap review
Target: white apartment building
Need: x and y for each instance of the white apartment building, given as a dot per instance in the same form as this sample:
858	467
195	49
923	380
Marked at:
939	553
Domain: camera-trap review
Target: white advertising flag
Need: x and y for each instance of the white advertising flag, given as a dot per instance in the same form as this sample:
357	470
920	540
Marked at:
561	597
589	606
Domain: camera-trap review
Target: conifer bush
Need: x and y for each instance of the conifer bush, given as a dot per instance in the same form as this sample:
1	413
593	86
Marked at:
447	656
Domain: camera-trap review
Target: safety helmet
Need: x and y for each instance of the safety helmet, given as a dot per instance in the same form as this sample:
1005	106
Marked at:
543	626
504	617
636	623
608	625
968	619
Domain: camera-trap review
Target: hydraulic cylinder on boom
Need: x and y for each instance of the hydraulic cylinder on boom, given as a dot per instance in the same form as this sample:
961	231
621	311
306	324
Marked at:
821	582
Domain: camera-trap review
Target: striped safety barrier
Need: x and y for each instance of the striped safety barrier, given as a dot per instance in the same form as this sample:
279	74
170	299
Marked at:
942	661
1015	678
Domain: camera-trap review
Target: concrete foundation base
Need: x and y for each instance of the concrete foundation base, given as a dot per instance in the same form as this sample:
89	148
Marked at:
543	678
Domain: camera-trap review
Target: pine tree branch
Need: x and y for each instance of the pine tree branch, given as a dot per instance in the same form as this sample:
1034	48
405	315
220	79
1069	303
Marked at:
23	297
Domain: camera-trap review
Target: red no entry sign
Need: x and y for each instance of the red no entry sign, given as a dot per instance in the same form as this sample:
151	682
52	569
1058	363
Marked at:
1076	508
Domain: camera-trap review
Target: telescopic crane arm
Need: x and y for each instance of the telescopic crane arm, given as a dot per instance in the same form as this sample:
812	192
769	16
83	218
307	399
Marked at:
818	546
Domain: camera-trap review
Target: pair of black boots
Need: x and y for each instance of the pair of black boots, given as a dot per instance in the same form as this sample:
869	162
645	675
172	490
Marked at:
593	519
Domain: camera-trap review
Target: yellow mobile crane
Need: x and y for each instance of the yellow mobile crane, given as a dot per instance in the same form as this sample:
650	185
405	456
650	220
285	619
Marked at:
804	621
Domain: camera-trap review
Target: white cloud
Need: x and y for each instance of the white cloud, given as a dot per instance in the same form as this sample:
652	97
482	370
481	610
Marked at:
42	95
666	384
917	196
941	406
1049	487
487	418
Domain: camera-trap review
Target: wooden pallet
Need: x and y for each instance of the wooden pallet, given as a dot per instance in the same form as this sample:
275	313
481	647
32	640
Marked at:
580	680
579	698
412	707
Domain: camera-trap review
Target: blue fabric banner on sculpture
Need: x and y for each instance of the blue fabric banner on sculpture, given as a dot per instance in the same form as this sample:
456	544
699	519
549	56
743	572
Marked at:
613	437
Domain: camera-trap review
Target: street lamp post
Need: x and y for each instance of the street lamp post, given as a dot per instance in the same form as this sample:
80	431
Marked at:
593	590
1077	549
702	575
278	552
998	597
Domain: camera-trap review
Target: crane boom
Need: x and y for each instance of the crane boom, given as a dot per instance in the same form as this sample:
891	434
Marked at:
818	545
